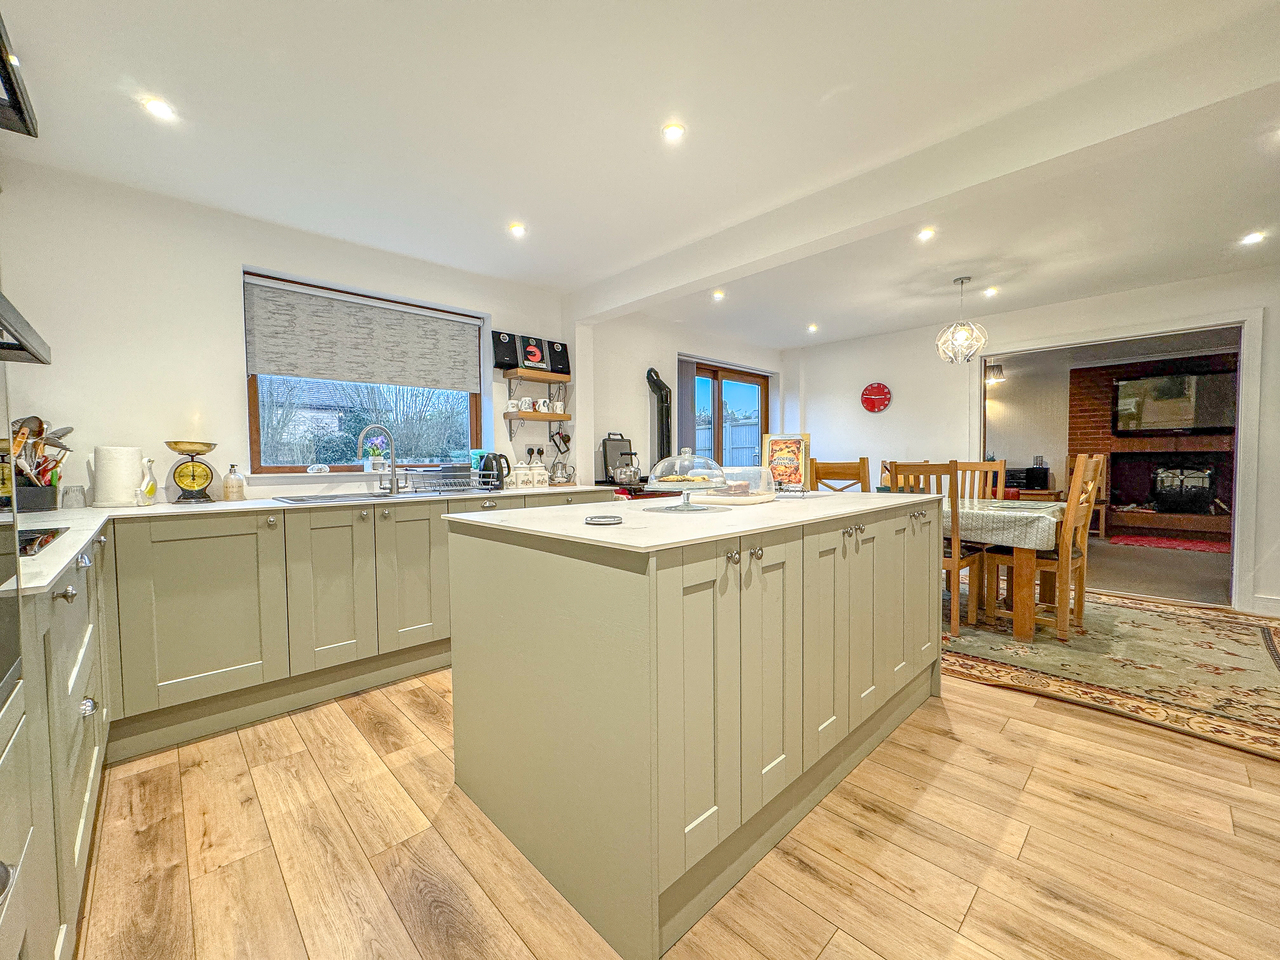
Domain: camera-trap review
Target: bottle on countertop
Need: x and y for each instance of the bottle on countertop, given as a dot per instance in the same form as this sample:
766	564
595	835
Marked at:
233	484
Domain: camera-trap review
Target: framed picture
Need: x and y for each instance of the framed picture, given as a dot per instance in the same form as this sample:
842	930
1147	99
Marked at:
787	456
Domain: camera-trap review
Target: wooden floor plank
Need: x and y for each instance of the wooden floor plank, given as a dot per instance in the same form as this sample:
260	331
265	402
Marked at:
1018	934
711	939
441	681
241	911
432	714
142	909
270	740
1260	830
844	947
981	789
425	773
219	805
896	870
375	805
773	922
1008	772
551	928
342	910
380	721
1264	775
447	914
127	768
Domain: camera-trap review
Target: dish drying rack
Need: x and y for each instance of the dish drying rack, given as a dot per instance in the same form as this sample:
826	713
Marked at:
448	478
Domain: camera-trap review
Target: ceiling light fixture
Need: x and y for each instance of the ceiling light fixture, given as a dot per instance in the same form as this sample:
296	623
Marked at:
1256	237
925	234
517	229
990	291
813	328
995	373
717	295
673	132
159	109
961	341
14	60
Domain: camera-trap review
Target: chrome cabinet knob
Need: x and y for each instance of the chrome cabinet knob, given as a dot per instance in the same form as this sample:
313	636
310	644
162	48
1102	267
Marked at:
271	521
83	562
733	556
386	511
68	595
757	553
859	528
488	504
568	499
88	707
101	540
6	877
364	514
847	531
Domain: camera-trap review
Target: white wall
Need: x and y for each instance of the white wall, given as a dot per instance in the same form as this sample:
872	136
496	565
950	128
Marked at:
934	413
626	348
140	298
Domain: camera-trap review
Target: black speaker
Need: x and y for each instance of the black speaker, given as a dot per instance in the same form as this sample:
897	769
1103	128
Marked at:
558	356
1037	478
506	353
533	353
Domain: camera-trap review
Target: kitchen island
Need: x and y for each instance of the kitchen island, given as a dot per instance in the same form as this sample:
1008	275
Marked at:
646	709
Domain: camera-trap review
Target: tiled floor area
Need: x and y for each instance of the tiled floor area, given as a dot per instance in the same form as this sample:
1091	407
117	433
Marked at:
992	824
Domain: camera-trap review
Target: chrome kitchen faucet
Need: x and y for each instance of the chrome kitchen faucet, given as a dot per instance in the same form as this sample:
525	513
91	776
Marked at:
391	453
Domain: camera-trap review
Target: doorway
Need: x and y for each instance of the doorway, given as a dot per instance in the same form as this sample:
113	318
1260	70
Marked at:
724	412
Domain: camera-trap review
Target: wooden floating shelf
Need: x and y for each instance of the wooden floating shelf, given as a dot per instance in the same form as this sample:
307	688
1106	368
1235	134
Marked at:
536	376
535	415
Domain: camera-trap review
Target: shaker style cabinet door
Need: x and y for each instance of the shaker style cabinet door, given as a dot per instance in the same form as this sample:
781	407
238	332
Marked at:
772	665
892	589
924	575
17	836
412	574
699	702
826	637
202	606
440	577
333	605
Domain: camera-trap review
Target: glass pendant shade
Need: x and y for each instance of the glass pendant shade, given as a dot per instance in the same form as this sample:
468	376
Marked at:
962	341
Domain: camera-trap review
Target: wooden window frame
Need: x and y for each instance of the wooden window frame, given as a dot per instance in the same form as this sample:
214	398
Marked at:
718	373
255	438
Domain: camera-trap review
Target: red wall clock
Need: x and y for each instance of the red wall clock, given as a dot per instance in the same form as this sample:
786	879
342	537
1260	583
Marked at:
876	397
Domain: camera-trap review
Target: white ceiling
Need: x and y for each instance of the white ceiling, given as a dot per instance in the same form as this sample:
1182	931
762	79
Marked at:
425	127
1168	202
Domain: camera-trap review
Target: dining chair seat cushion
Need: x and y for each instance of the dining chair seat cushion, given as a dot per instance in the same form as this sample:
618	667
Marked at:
1076	553
966	549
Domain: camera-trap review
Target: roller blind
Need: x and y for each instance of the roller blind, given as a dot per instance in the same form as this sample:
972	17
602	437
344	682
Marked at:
292	330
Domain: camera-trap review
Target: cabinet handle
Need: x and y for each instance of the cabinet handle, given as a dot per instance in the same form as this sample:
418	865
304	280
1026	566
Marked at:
488	504
847	531
733	556
757	553
364	514
859	528
386	511
83	562
271	521
88	707
102	540
68	595
568	499
6	875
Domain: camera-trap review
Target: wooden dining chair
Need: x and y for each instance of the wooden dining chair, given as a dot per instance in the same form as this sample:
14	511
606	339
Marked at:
941	478
1102	500
1068	561
981	479
841	475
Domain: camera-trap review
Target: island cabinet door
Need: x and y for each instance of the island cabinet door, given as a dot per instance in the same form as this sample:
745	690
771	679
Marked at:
413	574
826	638
698	591
202	606
923	615
885	604
772	665
333	605
440	559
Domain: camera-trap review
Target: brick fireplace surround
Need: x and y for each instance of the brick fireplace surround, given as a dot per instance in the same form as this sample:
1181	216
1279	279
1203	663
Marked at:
1089	431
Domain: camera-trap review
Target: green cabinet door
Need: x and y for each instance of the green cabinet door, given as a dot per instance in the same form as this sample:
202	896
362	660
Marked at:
19	840
202	606
827	549
923	572
440	576
412	574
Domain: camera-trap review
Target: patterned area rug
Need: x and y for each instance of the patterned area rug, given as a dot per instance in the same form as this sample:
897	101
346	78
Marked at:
1205	671
1171	543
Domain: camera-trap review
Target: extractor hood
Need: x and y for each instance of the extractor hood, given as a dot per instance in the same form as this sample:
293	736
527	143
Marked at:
19	343
16	112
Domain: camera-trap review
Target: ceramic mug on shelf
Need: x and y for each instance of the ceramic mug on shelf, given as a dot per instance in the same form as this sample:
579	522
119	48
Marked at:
513	406
526	404
544	405
557	406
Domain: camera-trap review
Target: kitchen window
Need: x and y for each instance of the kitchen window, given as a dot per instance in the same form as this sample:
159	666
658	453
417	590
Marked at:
323	364
729	411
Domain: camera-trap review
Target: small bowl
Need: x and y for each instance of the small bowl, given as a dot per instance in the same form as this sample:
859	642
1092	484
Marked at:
190	448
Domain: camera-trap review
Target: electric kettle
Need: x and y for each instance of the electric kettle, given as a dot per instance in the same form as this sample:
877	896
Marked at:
494	470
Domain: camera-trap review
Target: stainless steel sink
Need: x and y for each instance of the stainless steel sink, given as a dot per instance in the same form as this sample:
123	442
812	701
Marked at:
31	541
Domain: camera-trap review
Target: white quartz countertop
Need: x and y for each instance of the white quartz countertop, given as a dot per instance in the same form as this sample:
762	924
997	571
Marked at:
644	531
39	572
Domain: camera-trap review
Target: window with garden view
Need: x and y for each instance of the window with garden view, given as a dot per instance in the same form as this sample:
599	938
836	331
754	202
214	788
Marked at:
731	414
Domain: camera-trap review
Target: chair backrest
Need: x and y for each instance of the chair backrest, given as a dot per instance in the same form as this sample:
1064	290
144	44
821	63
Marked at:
1086	480
926	477
1103	494
841	475
981	479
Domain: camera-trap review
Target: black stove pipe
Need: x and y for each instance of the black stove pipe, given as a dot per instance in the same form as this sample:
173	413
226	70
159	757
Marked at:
663	393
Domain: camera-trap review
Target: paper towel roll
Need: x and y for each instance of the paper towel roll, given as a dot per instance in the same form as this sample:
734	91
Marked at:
117	474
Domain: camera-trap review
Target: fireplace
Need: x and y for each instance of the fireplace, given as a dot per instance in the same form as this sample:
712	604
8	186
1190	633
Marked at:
1188	483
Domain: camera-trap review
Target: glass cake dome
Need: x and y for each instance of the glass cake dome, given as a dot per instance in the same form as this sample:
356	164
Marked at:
685	473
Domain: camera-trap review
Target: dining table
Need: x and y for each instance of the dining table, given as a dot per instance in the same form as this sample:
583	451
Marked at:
1023	525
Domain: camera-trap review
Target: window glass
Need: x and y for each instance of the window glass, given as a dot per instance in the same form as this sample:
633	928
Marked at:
704	422
741	423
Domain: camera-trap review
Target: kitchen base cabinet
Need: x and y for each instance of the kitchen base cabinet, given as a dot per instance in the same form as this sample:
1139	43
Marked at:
202	606
604	495
412	575
333	609
20	932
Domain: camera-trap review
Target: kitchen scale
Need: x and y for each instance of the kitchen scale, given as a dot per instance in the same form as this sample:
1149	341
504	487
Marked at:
192	476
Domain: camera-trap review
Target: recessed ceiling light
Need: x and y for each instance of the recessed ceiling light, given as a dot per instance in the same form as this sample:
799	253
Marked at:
159	109
1252	238
813	328
13	60
673	132
925	234
517	229
990	291
717	295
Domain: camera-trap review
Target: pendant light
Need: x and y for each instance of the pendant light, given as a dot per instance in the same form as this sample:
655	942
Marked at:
995	373
962	340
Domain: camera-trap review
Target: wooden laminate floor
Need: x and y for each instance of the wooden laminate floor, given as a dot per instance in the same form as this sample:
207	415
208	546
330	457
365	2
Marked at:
992	824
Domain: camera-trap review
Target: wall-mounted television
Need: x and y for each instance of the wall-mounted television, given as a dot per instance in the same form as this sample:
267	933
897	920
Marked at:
1180	403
